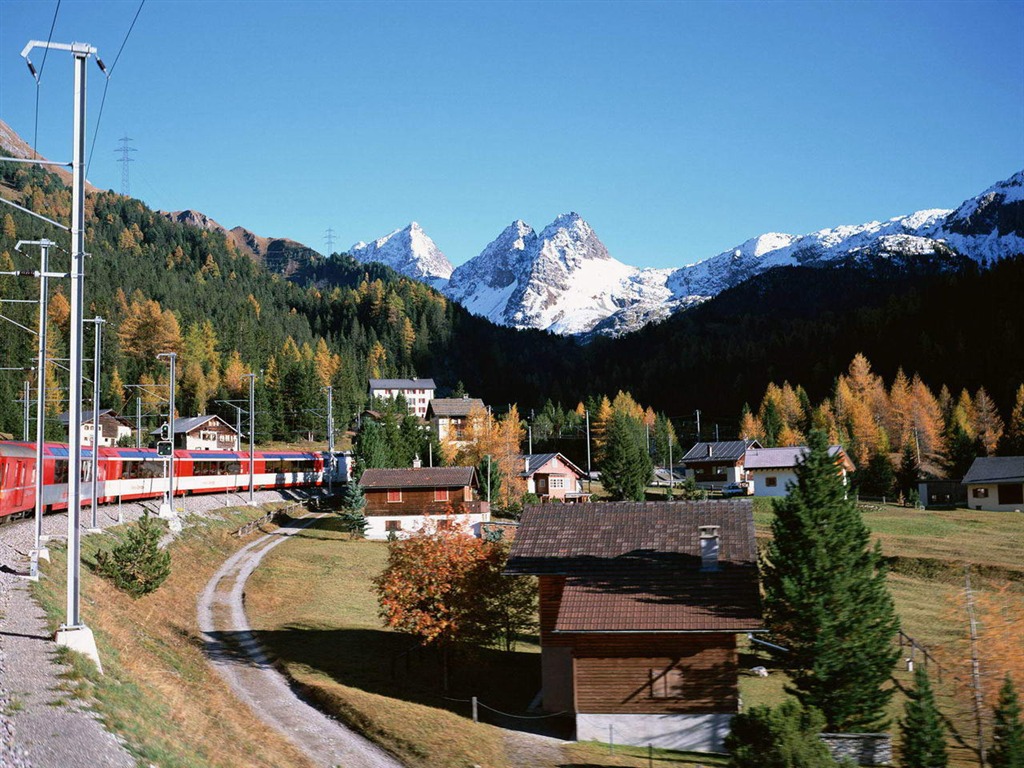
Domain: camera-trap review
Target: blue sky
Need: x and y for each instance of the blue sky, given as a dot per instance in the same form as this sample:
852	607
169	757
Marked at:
677	130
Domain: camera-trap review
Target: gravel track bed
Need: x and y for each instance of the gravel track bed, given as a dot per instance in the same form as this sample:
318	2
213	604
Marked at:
34	733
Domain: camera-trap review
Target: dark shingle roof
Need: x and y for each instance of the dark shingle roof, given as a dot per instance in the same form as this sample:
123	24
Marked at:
538	460
402	384
454	406
187	424
633	567
418	477
996	469
727	450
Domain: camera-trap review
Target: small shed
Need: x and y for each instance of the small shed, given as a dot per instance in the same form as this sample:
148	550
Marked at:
640	605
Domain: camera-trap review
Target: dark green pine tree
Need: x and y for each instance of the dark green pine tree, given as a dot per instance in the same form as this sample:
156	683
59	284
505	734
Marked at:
626	468
786	736
961	451
923	735
771	423
906	475
826	599
1008	730
371	447
879	477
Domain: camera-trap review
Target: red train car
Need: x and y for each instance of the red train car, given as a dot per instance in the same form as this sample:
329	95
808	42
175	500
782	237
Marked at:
130	474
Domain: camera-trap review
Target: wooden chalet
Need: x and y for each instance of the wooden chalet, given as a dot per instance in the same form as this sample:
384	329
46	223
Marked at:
400	500
112	427
203	433
640	605
448	416
712	465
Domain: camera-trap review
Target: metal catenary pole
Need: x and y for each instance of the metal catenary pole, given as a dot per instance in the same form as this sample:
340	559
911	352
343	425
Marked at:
44	265
97	349
172	359
252	435
330	439
26	415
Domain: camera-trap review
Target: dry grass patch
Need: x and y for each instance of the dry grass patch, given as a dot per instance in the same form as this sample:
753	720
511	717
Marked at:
158	691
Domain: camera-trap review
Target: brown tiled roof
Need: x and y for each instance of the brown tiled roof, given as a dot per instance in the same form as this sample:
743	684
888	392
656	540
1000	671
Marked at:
454	406
633	567
418	477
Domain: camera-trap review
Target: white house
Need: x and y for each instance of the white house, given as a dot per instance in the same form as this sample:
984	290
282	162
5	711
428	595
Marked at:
996	483
112	427
203	433
712	465
773	470
449	416
417	392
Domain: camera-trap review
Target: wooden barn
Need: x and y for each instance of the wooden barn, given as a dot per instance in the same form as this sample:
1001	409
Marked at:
400	500
640	606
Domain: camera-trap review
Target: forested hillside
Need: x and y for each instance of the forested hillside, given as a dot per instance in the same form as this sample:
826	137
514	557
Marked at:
165	286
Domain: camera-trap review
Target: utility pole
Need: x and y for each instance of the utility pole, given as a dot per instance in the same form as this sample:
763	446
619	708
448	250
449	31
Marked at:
587	413
26	410
97	349
529	436
124	149
698	426
138	421
329	239
74	633
975	666
44	265
330	439
172	358
252	435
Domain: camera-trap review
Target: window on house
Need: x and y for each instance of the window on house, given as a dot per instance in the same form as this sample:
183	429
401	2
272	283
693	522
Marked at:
1011	494
557	482
392	525
666	683
771	481
979	493
394	496
205	434
440	494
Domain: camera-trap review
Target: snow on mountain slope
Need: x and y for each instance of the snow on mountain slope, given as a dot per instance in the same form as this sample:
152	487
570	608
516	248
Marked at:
409	251
565	281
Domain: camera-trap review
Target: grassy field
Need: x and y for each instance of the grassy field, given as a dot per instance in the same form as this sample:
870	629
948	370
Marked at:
927	553
314	607
158	691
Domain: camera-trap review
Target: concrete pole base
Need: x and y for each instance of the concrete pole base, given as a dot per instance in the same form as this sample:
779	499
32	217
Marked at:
166	512
80	639
40	554
94	530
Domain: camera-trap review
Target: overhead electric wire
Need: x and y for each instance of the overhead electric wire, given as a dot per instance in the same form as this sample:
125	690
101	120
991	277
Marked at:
106	84
39	77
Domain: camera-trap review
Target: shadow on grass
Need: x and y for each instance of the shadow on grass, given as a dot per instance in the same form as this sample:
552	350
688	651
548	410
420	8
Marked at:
392	665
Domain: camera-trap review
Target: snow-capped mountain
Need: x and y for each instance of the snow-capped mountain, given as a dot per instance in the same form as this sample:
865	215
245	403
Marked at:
409	251
564	280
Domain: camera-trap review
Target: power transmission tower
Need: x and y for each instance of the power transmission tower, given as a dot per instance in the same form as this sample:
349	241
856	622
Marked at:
329	239
126	187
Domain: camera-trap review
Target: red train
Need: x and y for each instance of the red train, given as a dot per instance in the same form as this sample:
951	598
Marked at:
139	473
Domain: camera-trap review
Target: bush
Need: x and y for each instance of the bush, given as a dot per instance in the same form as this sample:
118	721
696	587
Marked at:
784	737
137	565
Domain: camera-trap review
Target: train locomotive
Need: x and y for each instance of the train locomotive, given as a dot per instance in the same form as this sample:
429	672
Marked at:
131	474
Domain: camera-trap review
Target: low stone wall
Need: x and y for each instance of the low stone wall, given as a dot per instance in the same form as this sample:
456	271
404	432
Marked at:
862	748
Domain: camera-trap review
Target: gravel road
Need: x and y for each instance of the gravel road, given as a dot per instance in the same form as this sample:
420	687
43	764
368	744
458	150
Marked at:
41	726
240	659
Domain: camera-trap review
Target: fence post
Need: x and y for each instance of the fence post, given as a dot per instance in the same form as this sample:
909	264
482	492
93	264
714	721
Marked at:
650	755
611	739
475	718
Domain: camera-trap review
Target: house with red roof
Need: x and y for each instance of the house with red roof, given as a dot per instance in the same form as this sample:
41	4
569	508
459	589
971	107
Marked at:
640	607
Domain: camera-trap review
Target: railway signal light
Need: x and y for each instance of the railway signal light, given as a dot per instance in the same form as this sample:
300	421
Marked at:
164	448
165	431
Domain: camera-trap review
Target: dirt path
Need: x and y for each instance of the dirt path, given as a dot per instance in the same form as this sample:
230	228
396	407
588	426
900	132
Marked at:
241	661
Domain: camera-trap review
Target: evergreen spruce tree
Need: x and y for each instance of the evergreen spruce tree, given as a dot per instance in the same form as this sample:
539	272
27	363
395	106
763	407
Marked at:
1008	730
137	565
923	735
626	467
906	475
826	599
786	736
879	477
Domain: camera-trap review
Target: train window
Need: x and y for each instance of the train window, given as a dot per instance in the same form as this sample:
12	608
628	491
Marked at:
60	471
